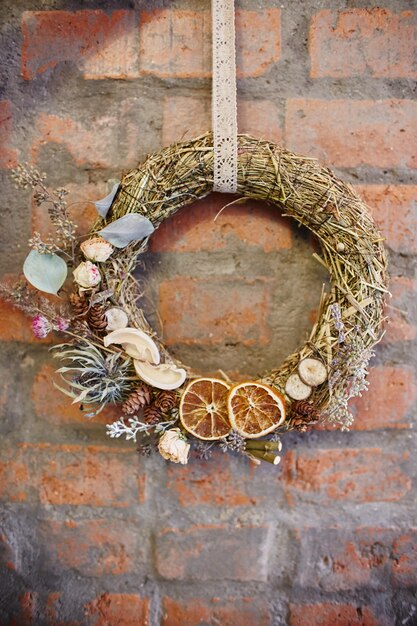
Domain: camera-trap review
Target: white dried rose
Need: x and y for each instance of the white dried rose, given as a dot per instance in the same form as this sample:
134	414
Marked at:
87	275
174	447
96	249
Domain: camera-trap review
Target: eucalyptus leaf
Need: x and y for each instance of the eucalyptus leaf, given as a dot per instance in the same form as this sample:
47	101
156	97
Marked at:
104	204
131	227
46	272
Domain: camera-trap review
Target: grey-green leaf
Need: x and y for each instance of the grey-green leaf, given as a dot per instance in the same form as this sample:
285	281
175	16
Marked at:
46	272
131	227
104	204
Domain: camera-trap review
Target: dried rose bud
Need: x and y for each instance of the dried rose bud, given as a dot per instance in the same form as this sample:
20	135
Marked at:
173	446
87	275
96	249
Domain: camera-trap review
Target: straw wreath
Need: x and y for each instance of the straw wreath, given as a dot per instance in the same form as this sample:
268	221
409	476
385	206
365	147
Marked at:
350	316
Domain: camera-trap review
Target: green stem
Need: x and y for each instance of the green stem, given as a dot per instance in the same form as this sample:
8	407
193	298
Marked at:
269	457
263	445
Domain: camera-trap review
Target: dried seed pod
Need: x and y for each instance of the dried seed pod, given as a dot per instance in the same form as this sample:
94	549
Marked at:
296	389
312	372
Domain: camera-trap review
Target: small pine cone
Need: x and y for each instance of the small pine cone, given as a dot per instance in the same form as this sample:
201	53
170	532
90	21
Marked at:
299	424
306	410
303	414
79	304
166	400
96	318
138	399
151	414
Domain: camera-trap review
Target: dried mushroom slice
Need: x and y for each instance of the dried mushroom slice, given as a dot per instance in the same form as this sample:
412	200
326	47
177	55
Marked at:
296	389
312	372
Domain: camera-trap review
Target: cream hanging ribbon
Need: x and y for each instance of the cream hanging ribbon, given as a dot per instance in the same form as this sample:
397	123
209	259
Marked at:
224	112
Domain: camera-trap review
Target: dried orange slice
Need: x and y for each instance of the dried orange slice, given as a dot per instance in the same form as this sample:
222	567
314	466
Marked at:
255	409
203	409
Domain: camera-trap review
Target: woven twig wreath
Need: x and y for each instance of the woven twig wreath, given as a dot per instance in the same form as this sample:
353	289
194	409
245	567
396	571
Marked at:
350	317
114	356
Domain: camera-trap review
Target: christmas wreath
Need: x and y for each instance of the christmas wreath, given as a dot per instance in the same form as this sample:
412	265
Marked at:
112	356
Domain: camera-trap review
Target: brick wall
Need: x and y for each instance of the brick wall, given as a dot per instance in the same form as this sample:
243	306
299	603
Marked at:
92	534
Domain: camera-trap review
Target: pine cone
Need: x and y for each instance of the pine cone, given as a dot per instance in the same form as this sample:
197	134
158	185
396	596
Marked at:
96	318
138	399
299	424
166	400
303	414
151	414
79	304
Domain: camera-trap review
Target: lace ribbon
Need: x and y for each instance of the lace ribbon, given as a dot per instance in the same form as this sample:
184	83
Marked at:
224	111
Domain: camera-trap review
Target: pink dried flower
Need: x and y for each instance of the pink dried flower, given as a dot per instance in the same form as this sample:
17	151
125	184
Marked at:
61	324
41	326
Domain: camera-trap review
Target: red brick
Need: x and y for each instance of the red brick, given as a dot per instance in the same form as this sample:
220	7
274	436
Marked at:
123	609
345	474
400	325
101	45
374	42
28	603
194	485
326	614
215	310
252	223
80	208
187	117
103	142
215	552
388	401
395	211
70	474
337	559
351	133
176	43
224	611
95	547
8	154
14	477
7	557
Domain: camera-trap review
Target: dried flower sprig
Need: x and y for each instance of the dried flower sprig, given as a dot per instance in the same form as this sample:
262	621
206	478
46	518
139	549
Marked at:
233	443
134	426
25	176
24	298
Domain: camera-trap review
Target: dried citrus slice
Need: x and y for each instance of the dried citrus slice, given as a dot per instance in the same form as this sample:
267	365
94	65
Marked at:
203	409
255	409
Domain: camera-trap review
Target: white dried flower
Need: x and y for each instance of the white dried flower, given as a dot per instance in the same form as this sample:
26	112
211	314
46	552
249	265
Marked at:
174	447
87	275
96	249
